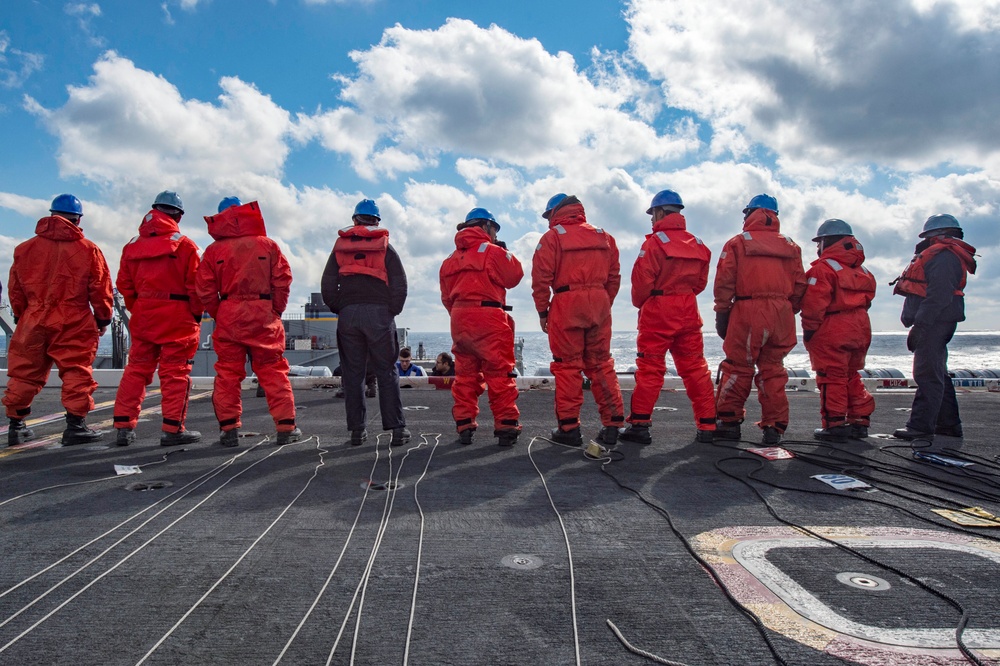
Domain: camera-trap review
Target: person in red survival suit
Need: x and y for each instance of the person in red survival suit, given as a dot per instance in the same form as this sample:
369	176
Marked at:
156	278
474	282
837	332
574	280
60	297
759	282
243	282
671	270
934	286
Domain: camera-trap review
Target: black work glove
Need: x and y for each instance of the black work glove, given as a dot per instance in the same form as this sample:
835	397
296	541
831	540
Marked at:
197	318
914	337
807	335
722	323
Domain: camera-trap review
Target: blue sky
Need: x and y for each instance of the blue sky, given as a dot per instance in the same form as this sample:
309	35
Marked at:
881	113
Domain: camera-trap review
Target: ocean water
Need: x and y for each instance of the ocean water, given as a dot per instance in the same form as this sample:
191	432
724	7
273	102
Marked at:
968	350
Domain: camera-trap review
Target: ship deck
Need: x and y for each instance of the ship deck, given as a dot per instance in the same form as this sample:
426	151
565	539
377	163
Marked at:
436	553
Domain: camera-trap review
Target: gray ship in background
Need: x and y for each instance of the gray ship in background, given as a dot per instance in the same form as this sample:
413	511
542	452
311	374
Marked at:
310	340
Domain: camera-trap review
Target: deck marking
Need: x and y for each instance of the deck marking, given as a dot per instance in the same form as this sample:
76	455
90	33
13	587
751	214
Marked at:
127	557
277	519
784	606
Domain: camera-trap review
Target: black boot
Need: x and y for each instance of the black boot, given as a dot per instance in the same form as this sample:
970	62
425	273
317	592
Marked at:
359	437
608	436
728	430
836	434
567	437
124	436
637	433
18	433
289	436
506	437
465	437
400	436
704	436
909	433
859	431
769	436
230	438
77	432
178	438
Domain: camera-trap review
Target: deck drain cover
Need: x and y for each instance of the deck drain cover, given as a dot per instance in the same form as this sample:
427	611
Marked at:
526	562
863	581
415	408
378	485
664	409
142	486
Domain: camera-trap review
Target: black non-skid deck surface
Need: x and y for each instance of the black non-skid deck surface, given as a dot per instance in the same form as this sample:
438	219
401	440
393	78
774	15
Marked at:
258	553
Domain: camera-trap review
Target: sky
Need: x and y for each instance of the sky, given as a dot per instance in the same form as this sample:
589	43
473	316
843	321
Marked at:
879	112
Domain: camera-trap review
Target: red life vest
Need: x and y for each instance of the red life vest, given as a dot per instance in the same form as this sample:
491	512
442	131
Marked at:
855	285
584	251
671	239
913	281
464	274
361	249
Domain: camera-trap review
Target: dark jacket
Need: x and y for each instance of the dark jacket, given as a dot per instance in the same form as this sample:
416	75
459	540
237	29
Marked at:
944	274
339	291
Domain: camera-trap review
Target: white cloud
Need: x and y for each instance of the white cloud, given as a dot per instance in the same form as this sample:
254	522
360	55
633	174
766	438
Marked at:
518	124
968	15
130	125
486	93
16	65
83	9
831	83
84	14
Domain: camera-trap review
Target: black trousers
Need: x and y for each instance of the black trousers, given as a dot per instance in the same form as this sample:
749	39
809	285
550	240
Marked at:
934	405
366	338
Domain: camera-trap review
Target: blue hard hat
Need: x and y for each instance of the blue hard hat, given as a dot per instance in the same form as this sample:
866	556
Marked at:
665	198
765	201
833	227
229	202
480	214
367	207
66	203
552	204
939	221
168	198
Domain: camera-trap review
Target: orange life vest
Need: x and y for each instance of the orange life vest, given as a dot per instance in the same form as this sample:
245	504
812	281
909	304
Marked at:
361	249
913	281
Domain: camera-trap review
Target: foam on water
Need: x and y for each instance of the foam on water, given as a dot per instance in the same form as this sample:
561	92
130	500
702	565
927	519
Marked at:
970	350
